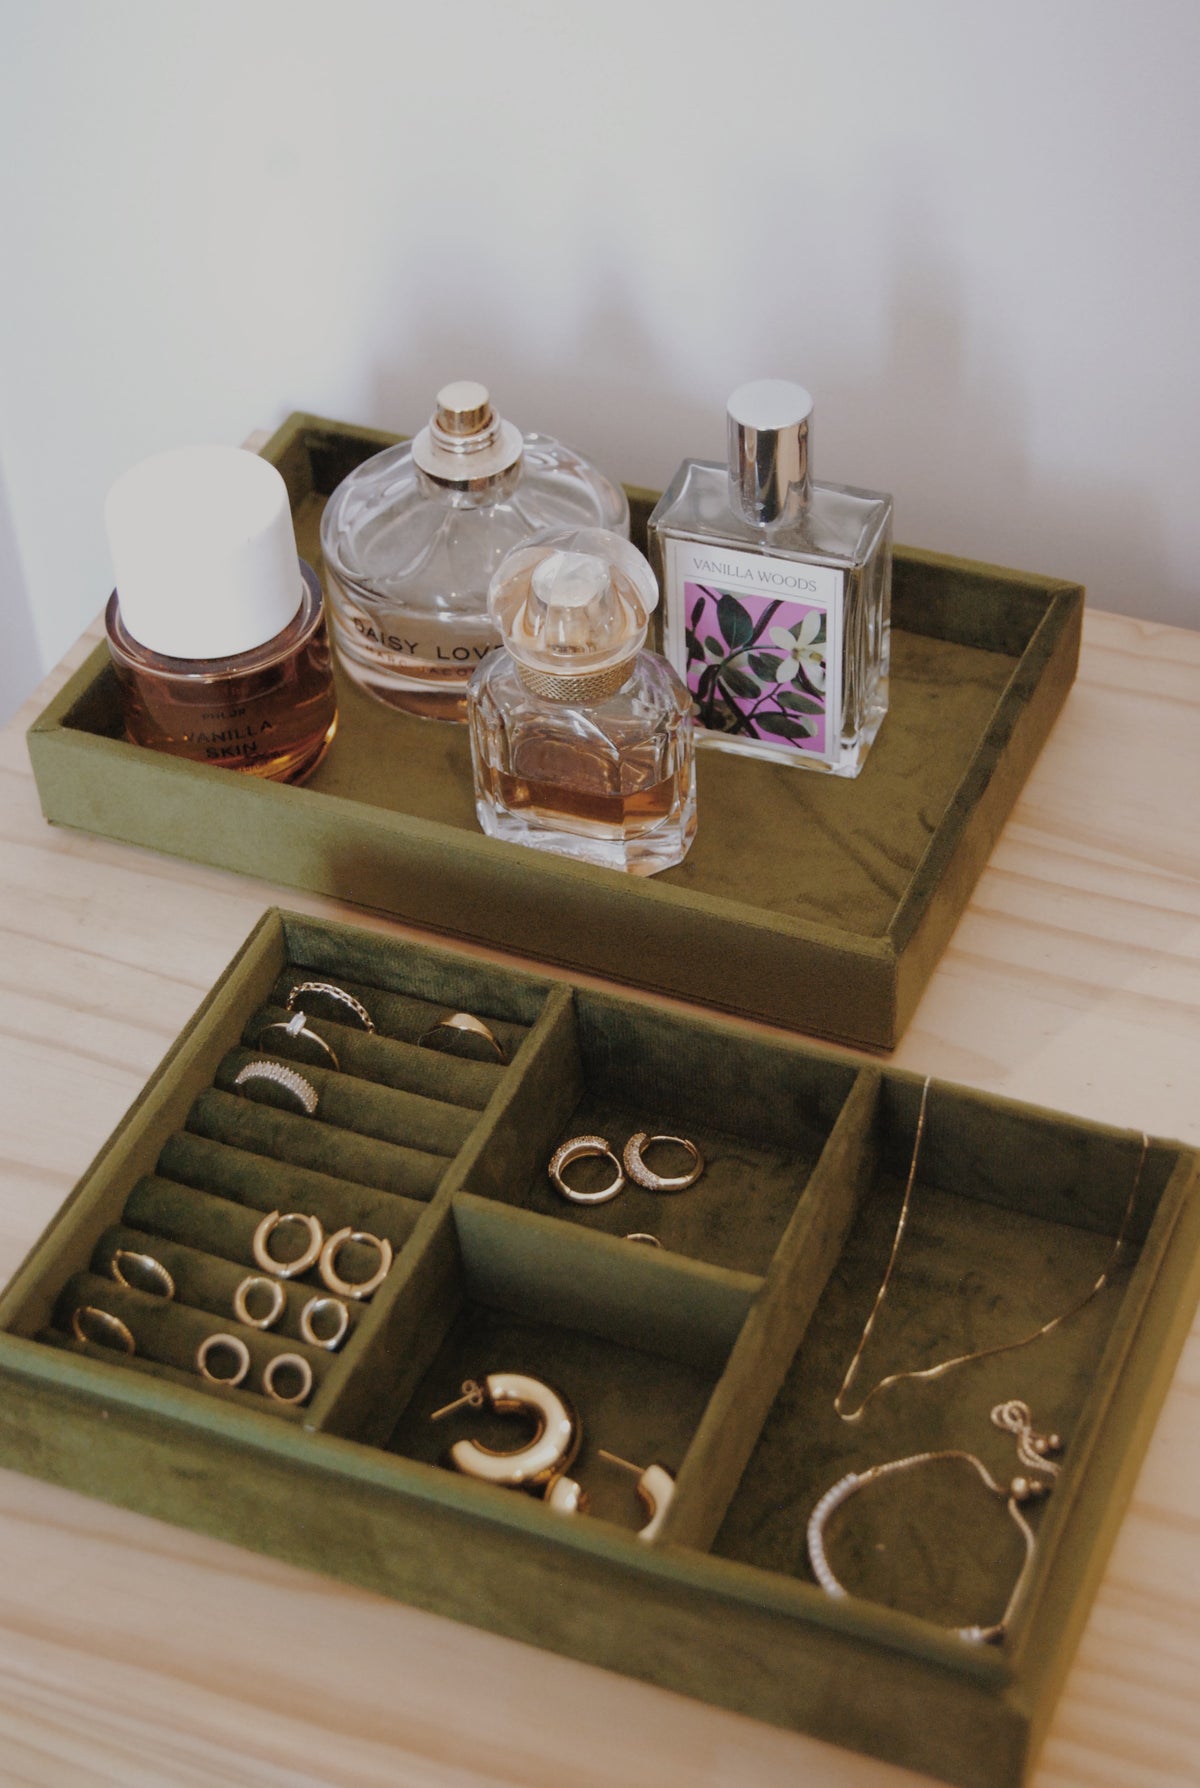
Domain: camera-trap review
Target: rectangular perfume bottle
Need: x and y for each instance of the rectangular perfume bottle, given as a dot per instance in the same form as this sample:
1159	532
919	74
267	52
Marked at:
776	592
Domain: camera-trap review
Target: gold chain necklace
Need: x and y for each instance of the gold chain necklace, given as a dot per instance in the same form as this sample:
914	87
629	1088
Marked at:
983	1353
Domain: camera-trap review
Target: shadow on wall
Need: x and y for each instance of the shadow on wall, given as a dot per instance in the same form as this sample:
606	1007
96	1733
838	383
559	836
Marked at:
602	389
947	428
20	663
936	410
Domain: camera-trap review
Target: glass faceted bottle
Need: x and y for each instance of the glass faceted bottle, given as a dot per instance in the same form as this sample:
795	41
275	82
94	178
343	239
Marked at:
777	592
581	739
412	538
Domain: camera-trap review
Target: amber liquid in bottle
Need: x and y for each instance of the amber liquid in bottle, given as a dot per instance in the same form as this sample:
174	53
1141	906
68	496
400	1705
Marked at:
611	797
270	712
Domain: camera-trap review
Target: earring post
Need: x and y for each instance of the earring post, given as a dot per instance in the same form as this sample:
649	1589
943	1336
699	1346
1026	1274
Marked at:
617	1460
472	1393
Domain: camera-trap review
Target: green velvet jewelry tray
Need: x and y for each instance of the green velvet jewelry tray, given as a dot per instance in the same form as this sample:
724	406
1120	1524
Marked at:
716	1355
810	901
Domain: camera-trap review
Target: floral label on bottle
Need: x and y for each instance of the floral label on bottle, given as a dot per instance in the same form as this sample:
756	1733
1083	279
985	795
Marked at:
758	642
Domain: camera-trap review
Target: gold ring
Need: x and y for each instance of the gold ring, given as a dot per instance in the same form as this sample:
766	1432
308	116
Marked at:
297	1026
236	1346
241	1301
149	1275
308	1318
642	1235
288	1361
281	1075
288	1269
332	992
85	1316
637	1170
581	1148
333	1248
463	1024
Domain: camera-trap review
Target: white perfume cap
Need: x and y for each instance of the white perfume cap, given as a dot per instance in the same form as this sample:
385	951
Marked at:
768	449
203	550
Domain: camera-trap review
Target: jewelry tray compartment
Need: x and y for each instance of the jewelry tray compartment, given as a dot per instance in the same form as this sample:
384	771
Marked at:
715	1356
814	902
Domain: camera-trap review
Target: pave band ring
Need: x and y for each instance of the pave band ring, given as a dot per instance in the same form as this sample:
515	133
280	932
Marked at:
315	1308
141	1272
280	1074
462	1024
331	991
585	1148
296	1027
288	1363
101	1328
276	1300
645	1176
361	1288
223	1345
287	1269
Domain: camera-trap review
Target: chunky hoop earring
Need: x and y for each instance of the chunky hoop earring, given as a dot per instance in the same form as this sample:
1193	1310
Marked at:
288	1363
645	1176
655	1487
332	1339
356	1288
276	1301
287	1269
541	1463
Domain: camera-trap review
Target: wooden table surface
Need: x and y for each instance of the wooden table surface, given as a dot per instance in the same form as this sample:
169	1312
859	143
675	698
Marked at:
134	1654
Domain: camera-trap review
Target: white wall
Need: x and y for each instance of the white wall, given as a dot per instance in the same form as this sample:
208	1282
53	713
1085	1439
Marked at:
972	230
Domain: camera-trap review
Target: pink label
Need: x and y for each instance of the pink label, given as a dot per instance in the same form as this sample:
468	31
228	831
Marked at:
756	665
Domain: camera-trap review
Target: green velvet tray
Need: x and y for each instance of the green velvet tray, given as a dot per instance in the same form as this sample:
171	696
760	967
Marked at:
716	1355
816	903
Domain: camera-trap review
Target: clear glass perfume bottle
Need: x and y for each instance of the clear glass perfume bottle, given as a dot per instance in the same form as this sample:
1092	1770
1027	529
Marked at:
777	592
412	538
216	630
582	740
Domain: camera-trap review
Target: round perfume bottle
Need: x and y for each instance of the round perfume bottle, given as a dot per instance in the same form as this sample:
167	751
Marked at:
216	628
581	739
412	538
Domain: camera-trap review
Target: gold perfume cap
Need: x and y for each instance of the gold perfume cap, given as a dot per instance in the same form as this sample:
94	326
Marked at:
573	609
768	450
466	444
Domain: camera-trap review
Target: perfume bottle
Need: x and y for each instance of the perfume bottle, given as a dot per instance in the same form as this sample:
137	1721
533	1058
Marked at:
216	628
777	592
412	537
581	740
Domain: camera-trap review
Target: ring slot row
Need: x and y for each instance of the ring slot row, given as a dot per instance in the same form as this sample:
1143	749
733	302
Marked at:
263	1184
385	1061
401	1017
382	1113
204	1280
169	1333
298	1142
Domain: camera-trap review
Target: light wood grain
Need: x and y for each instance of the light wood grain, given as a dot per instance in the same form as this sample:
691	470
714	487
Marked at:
135	1654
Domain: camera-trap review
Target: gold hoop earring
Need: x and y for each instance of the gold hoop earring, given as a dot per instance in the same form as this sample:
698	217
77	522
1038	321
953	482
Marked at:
541	1464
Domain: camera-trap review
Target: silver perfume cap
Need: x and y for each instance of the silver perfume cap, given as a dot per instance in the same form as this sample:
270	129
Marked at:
466	444
768	450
